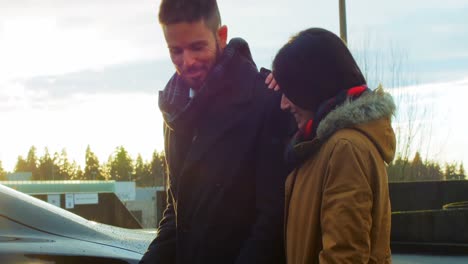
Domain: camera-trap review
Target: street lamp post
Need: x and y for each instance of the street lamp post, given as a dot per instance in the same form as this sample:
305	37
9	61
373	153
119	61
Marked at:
343	32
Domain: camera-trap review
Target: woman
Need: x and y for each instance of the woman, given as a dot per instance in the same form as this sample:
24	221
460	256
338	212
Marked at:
337	199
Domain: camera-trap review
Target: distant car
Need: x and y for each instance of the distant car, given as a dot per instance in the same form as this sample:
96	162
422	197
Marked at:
33	231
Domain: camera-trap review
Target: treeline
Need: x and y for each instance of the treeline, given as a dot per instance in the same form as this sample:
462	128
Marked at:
119	167
403	170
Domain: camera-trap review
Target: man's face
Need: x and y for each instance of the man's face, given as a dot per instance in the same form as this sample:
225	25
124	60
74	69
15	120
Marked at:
194	48
301	115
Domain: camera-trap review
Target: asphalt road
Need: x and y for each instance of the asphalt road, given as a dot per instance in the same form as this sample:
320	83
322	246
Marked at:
428	259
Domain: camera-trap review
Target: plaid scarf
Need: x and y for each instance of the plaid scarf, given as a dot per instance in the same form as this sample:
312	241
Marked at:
174	101
309	132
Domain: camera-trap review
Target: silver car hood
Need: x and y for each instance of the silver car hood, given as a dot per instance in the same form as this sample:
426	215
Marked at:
41	216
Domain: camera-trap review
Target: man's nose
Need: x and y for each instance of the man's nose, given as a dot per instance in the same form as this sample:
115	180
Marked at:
189	59
285	104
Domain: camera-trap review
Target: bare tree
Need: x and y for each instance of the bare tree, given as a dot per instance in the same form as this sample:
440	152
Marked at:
384	63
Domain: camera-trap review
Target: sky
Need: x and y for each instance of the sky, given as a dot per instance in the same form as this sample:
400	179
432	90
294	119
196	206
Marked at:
78	73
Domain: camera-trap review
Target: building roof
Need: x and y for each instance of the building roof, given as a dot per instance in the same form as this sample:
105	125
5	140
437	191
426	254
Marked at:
47	187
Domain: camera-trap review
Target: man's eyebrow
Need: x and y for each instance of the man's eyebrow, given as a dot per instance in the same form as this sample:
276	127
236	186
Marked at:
197	43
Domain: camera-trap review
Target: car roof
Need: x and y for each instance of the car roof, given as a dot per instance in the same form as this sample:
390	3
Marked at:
42	216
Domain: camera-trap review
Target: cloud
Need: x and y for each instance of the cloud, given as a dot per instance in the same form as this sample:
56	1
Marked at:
432	33
438	90
57	37
14	97
54	93
433	115
137	77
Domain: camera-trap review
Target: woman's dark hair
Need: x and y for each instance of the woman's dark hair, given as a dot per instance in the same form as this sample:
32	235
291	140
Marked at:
313	66
177	11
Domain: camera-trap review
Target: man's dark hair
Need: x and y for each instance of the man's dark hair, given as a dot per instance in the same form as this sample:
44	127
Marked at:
177	11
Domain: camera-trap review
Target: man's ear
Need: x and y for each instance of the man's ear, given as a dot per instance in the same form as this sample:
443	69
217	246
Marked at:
222	36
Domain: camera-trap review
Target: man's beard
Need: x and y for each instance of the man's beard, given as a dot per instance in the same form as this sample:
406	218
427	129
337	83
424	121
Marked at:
196	83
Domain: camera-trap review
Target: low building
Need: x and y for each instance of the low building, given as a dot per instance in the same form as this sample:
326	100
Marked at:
109	202
148	205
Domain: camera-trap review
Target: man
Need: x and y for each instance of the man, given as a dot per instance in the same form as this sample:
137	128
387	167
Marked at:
224	142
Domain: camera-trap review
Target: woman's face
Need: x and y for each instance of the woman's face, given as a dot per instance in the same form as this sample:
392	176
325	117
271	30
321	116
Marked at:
301	115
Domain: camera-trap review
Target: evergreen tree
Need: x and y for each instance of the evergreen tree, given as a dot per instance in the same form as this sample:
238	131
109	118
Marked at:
396	170
79	174
21	165
142	172
158	169
92	169
417	170
32	161
106	168
461	171
121	167
450	172
65	169
433	171
75	172
48	169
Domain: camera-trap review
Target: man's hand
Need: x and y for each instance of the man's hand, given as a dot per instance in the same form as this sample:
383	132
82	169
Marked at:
271	82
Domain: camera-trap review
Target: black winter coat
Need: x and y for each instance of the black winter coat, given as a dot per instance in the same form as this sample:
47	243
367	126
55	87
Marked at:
226	178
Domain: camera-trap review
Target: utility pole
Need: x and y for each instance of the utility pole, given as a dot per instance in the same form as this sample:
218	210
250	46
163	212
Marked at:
343	32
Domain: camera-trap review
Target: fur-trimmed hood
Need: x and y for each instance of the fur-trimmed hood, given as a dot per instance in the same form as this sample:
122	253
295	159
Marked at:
369	107
370	114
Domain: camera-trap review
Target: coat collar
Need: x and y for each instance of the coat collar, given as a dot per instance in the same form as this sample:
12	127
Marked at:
224	111
224	82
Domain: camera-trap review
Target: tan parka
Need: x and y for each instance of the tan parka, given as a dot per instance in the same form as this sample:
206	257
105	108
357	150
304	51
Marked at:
337	200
